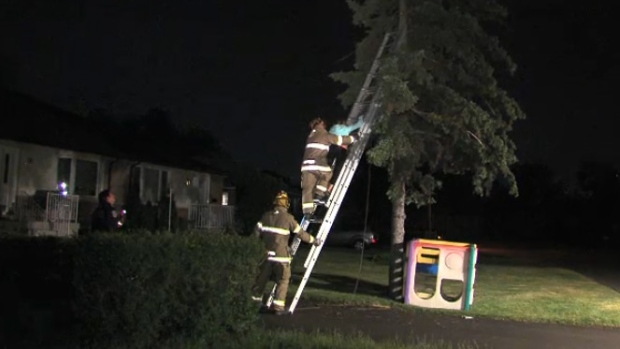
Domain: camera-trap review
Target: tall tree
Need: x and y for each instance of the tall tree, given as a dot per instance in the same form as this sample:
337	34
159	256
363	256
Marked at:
443	109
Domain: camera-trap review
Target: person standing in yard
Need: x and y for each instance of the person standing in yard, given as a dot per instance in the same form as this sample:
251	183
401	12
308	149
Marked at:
315	170
274	229
105	218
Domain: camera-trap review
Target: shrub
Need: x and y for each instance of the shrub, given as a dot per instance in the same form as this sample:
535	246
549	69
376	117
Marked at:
136	291
35	279
164	290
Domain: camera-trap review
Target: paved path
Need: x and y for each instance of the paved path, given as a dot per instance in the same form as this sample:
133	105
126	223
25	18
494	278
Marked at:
382	324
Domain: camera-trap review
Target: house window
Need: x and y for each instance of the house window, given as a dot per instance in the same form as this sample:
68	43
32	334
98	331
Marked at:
81	176
224	198
154	185
85	178
64	170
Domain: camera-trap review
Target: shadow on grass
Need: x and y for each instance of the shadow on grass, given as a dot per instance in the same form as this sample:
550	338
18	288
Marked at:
339	283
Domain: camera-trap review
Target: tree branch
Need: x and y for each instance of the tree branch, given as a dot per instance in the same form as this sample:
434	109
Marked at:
476	137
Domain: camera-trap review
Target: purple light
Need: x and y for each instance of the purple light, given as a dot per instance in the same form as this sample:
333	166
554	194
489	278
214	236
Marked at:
62	187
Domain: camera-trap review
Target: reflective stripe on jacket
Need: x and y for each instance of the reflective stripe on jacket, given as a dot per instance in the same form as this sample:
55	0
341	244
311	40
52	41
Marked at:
317	147
275	228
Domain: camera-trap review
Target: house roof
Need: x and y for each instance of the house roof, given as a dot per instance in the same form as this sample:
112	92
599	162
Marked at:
25	119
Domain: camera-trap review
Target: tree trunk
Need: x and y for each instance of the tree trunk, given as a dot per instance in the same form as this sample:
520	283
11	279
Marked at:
402	23
397	263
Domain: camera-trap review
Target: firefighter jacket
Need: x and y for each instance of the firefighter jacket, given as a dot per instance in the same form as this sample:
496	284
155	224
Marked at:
274	229
317	147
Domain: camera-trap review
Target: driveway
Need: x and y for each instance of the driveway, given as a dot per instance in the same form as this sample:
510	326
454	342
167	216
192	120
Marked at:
383	324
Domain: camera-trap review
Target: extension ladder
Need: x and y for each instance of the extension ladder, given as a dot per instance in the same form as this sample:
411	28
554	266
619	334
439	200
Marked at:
368	106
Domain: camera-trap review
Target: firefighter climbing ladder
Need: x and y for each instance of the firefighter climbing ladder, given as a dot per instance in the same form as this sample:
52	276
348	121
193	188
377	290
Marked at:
367	104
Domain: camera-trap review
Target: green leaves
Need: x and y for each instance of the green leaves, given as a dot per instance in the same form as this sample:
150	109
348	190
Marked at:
180	290
443	108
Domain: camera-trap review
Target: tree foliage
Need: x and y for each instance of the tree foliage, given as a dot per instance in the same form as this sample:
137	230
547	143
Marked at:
443	108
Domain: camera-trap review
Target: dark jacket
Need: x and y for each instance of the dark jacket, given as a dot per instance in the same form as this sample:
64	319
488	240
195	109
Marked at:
275	228
104	218
317	148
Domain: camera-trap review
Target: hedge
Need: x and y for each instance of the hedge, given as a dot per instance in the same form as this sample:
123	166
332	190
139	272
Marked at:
128	291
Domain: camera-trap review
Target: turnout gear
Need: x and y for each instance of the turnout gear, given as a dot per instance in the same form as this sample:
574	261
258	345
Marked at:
274	229
315	122
315	170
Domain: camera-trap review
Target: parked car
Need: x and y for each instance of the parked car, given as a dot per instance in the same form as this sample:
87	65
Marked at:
352	238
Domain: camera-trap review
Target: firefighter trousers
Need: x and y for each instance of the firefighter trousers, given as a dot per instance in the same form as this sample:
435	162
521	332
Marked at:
313	182
278	272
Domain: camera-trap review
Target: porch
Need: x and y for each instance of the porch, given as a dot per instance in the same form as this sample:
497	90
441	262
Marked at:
48	213
211	216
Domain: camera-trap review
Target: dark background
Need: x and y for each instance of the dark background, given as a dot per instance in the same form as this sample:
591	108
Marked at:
254	73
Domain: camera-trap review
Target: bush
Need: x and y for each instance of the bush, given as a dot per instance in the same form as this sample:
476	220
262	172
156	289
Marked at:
137	291
35	279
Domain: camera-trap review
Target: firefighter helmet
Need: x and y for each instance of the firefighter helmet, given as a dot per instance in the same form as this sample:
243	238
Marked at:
315	122
282	200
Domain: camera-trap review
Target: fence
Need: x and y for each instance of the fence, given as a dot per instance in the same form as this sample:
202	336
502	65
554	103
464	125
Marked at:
61	211
51	212
211	216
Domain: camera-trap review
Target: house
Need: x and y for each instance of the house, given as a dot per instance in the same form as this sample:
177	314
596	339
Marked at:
54	163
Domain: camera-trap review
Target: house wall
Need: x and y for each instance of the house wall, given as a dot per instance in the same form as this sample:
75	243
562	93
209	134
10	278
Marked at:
37	168
117	178
188	187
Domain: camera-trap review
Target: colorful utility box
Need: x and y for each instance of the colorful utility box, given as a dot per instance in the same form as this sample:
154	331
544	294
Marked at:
440	274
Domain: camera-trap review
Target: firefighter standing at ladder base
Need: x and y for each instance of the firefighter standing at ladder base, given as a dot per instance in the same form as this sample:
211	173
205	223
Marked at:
274	229
315	169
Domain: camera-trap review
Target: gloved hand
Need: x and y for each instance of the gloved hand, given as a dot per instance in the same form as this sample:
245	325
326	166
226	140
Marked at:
317	242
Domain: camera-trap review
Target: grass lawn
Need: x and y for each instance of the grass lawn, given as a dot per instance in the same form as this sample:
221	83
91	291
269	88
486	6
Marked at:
502	290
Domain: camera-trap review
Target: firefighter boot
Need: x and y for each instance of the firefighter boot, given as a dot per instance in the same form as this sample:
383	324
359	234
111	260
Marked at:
264	309
321	200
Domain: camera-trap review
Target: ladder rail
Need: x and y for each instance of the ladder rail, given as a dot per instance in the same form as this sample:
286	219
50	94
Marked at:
332	212
344	180
356	151
349	168
355	109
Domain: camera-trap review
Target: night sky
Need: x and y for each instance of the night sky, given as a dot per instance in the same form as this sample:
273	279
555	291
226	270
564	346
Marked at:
255	72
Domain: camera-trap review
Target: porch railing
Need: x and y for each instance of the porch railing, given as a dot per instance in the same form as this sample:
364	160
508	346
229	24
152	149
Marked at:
58	211
209	216
61	211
